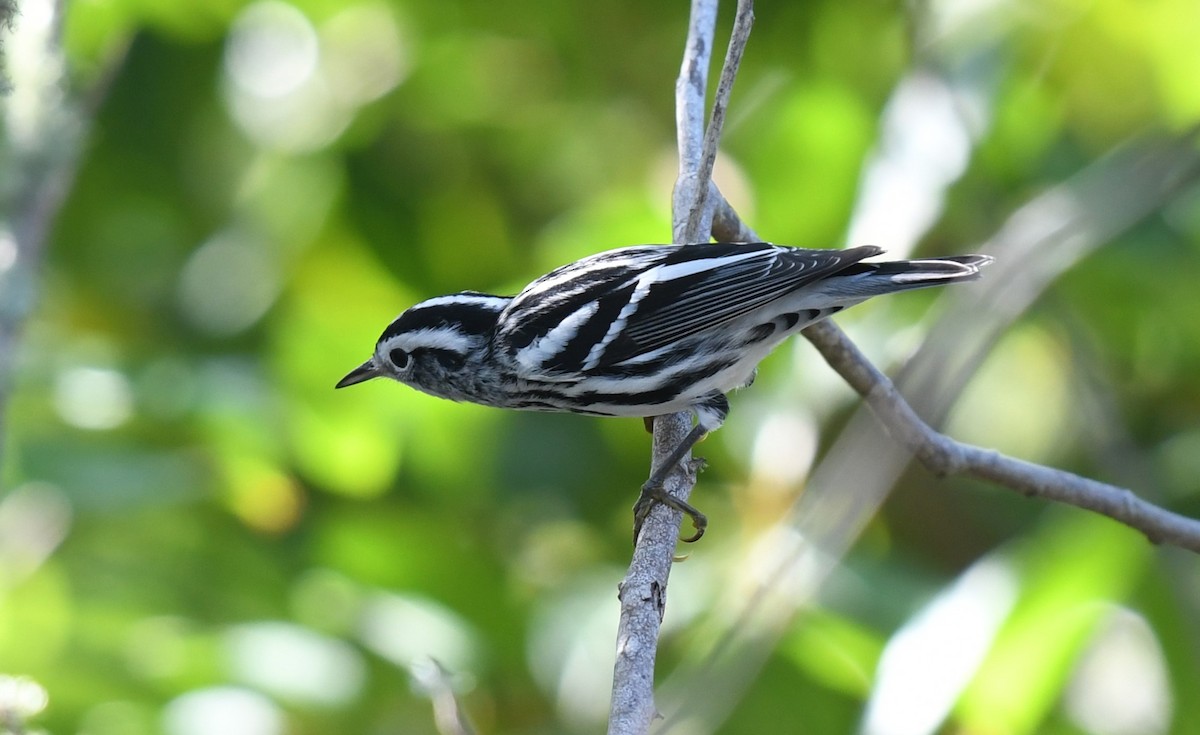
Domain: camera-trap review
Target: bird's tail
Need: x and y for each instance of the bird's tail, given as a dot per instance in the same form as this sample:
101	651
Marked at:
929	272
863	280
871	279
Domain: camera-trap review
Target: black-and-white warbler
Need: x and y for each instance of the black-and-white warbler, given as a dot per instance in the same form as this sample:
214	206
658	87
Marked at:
640	331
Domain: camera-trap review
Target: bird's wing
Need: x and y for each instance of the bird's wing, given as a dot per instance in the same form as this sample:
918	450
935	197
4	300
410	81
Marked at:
617	305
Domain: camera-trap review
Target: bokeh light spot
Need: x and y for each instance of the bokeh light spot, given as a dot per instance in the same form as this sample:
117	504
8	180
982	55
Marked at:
932	658
8	249
93	398
272	50
363	57
1122	684
295	663
228	284
222	711
22	696
407	631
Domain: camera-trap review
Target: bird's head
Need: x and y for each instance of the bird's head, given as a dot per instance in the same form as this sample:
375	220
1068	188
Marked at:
431	344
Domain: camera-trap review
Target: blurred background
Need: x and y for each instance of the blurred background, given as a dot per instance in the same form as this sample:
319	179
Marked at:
212	209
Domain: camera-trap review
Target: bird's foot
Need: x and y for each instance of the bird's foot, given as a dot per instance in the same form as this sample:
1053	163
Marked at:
655	493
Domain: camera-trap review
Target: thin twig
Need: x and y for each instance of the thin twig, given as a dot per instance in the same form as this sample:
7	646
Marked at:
727	226
449	716
691	88
944	456
700	215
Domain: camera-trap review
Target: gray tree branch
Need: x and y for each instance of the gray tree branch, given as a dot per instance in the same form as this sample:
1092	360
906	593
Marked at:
643	591
942	455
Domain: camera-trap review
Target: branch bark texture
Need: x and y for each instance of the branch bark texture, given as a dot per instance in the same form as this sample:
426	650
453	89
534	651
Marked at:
942	455
643	591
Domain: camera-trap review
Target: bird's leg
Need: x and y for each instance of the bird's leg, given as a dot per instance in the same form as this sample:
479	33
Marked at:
653	490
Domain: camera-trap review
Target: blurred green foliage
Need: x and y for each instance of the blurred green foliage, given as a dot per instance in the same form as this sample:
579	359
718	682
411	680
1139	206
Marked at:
198	535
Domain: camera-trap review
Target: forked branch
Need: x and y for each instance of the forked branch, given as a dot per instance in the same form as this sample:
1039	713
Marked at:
699	211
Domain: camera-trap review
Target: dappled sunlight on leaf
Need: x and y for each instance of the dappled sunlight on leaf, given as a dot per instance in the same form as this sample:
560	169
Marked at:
815	159
290	89
228	284
37	619
783	451
340	452
1161	36
34	519
21	697
925	144
93	398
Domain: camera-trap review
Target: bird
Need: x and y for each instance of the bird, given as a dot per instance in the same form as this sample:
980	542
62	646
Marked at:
639	331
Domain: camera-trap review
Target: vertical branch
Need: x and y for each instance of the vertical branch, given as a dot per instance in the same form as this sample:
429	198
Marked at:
700	212
692	206
691	89
643	591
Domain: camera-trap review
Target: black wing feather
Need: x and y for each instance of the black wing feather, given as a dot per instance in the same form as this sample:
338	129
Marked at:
696	287
543	304
678	308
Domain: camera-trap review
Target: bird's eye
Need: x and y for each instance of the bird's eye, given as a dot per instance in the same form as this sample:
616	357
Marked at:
399	358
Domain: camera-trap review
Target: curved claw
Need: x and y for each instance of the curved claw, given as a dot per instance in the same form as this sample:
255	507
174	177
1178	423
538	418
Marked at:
700	523
652	494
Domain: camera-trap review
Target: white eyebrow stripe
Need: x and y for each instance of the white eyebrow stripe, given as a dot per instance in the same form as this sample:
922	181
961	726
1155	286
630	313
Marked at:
430	338
496	302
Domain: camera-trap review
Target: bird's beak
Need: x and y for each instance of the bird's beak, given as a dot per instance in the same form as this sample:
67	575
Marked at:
360	374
